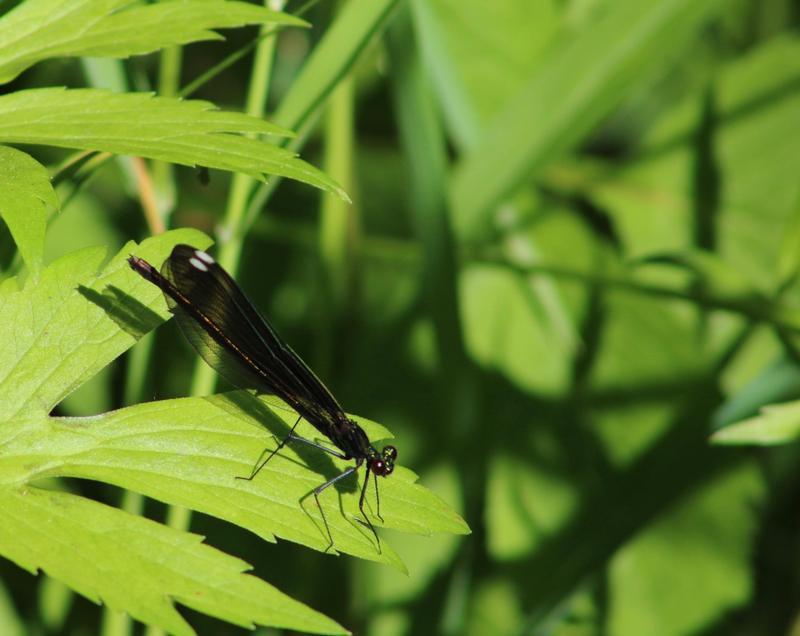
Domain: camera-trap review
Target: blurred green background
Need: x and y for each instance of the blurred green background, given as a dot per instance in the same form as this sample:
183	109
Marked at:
571	257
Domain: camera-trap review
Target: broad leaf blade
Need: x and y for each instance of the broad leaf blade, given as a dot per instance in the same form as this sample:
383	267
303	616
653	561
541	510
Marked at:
41	29
135	565
652	198
190	133
48	356
189	452
719	580
776	424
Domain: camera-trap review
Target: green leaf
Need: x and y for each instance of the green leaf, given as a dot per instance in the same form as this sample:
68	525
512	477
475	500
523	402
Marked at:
26	197
565	96
652	198
190	133
479	54
89	546
525	504
45	316
503	331
495	608
190	451
512	318
777	424
691	566
63	332
65	327
40	29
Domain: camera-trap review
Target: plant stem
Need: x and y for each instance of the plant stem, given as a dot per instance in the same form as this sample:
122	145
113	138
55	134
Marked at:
338	233
331	60
339	225
169	79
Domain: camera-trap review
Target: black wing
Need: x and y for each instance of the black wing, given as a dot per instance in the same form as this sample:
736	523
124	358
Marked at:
236	340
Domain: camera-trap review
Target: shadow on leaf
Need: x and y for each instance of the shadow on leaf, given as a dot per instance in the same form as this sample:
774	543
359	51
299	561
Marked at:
128	313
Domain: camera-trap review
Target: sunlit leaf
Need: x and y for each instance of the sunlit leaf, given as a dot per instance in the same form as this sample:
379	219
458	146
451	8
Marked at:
776	424
135	565
652	198
692	565
478	54
190	133
26	198
40	29
65	327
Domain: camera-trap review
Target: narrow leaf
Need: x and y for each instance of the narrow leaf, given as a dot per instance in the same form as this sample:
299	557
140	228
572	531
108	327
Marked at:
354	27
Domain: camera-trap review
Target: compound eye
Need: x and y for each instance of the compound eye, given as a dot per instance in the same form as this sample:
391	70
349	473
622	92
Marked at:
389	453
378	467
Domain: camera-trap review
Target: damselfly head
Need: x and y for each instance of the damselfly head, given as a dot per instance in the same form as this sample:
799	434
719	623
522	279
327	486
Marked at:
141	267
383	465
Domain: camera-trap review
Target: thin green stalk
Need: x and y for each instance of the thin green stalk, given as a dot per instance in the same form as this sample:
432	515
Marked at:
105	73
355	26
237	55
339	224
169	79
753	308
163	175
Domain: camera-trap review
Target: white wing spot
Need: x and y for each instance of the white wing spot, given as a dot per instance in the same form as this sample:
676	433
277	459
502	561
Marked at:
198	264
204	257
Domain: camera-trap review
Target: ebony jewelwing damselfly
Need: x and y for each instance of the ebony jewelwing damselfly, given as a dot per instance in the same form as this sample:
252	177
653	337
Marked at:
238	343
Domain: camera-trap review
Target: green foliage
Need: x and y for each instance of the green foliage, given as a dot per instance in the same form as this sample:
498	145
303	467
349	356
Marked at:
136	565
188	133
777	424
184	452
40	29
358	22
25	202
568	281
566	95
